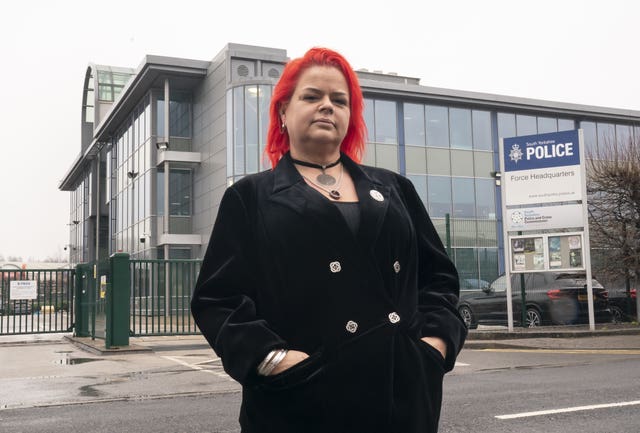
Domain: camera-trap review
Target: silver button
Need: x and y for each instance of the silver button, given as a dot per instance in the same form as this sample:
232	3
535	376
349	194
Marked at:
396	266
352	326
394	317
376	195
335	267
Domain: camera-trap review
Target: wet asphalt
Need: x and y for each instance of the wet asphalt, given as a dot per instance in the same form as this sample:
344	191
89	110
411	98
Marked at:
43	370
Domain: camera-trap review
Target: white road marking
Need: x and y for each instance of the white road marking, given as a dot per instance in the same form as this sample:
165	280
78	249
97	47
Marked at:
197	367
462	364
568	409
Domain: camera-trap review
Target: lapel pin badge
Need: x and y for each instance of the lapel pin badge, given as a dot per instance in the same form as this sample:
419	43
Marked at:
376	195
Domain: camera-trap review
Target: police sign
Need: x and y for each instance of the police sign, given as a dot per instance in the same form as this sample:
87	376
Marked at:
543	168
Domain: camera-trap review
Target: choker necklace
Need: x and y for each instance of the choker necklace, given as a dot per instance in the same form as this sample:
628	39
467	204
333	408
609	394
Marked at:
323	178
333	193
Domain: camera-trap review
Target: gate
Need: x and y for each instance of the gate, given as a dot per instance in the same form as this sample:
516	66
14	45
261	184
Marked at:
161	296
35	301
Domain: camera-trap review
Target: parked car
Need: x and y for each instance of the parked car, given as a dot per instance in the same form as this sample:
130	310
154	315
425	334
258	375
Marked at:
467	284
623	305
550	297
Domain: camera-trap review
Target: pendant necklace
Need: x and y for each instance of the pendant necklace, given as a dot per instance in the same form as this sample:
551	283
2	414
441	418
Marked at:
323	178
334	193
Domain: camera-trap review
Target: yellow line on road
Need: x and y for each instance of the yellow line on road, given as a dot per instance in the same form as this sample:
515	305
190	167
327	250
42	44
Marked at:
570	351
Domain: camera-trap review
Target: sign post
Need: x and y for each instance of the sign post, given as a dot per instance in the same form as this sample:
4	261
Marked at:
544	192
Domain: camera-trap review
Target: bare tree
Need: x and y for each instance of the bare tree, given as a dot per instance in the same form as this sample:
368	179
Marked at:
613	187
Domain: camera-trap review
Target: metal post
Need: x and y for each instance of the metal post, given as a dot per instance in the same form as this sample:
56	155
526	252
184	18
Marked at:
167	132
118	301
523	295
447	230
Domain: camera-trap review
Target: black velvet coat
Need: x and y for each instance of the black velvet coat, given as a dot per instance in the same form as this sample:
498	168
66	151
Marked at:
283	270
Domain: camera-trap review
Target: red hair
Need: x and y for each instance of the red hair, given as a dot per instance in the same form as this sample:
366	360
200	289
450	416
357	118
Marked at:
354	141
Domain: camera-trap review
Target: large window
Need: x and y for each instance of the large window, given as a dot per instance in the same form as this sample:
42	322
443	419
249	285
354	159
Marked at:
248	120
179	115
179	192
437	126
460	120
463	198
414	132
110	85
439	188
485	199
482	137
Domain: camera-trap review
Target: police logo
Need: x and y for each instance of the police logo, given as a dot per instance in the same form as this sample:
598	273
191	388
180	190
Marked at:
516	154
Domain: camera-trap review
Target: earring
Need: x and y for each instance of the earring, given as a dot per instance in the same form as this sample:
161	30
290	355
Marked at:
282	127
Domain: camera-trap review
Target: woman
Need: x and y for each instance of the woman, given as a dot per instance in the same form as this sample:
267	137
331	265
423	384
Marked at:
325	288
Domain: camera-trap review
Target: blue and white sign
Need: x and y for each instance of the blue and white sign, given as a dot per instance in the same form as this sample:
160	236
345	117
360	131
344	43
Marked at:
543	168
555	149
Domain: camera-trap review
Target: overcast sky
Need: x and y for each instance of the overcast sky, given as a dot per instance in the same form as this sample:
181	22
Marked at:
581	51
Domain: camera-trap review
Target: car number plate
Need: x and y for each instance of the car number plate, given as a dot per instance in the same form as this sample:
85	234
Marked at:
583	298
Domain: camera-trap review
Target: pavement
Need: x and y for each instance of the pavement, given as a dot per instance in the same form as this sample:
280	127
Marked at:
40	370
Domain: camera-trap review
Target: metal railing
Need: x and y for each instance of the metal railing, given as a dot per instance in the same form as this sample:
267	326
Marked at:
34	301
161	296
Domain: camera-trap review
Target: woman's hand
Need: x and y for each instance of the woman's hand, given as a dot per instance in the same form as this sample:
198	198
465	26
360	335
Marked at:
292	358
438	343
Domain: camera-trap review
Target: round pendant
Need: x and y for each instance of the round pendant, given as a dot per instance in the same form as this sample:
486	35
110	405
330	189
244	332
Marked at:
326	179
334	194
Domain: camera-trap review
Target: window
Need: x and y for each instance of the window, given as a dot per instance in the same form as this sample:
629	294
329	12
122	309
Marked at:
460	121
506	125
485	199
526	125
590	137
179	115
437	126
179	192
110	85
439	188
482	138
463	198
547	124
385	122
414	133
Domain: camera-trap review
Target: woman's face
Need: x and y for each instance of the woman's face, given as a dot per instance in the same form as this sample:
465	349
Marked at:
317	116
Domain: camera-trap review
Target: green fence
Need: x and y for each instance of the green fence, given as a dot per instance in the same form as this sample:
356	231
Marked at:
161	296
34	301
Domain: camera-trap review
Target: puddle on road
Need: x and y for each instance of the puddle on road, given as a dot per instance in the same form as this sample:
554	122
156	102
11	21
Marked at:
89	391
73	361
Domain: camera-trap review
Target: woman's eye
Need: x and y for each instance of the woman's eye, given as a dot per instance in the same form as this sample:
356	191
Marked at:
341	102
309	97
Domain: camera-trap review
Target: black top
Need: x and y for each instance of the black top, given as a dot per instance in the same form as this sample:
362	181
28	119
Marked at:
351	213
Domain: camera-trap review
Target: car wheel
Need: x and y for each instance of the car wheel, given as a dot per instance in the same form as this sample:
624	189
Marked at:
534	319
467	316
617	316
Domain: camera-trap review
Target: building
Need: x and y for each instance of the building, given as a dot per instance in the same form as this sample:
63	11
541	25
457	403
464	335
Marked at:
150	174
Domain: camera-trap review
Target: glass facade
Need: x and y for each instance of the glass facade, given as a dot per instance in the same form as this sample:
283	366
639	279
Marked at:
247	122
448	152
448	149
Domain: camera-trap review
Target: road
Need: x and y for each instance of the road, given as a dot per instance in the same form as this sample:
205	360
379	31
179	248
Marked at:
490	390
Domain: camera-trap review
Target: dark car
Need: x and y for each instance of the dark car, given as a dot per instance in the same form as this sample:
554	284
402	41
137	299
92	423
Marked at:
551	298
623	304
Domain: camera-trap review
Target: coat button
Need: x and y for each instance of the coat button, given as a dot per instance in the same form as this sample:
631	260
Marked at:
335	267
376	195
352	326
396	266
394	317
